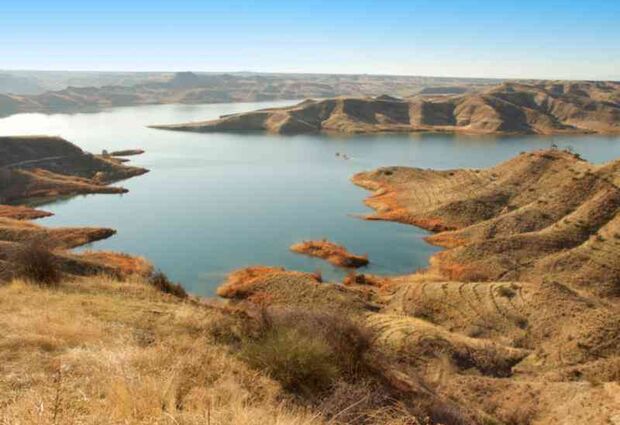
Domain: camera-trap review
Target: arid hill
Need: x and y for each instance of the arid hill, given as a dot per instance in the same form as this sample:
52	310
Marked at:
542	215
517	322
509	108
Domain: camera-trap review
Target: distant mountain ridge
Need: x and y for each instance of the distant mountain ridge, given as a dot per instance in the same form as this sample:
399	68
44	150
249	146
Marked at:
196	88
510	107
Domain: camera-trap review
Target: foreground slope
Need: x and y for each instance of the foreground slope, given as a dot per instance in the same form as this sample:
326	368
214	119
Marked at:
518	320
536	108
107	352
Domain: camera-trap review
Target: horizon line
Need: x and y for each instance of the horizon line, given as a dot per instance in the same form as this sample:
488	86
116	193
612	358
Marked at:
118	71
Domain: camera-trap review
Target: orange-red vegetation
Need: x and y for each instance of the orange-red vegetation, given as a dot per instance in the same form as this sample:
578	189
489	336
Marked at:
124	264
240	281
331	252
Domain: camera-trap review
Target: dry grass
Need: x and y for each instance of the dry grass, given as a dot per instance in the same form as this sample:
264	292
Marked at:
108	352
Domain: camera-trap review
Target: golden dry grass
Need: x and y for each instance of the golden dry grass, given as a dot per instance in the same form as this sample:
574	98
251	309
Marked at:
103	352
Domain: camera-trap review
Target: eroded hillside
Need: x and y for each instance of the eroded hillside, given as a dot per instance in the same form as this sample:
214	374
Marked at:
536	108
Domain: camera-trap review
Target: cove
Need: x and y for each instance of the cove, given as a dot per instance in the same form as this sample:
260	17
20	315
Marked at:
216	202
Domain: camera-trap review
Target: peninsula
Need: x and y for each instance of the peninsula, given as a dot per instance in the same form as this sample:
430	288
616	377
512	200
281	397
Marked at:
508	108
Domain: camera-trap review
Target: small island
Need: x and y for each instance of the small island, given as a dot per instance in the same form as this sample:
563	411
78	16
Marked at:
331	252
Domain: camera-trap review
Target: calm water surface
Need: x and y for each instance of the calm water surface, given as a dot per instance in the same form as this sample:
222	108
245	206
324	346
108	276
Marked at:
216	202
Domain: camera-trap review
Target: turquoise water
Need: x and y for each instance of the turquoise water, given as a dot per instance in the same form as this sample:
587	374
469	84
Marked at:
216	202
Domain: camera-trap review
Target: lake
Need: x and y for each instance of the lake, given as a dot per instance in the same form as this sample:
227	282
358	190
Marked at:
216	202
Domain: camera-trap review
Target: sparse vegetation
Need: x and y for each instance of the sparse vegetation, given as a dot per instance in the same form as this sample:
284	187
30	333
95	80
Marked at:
104	351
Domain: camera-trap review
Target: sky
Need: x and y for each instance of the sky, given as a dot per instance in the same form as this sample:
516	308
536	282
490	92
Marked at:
554	39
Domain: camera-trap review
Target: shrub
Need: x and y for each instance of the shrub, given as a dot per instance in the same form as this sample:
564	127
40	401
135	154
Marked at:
307	351
301	363
506	292
33	260
160	281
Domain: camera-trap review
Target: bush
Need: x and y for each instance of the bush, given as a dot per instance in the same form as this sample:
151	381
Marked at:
160	281
506	292
301	363
307	351
34	261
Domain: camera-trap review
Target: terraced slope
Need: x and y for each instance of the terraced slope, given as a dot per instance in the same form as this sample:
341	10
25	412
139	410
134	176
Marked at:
537	108
519	319
542	214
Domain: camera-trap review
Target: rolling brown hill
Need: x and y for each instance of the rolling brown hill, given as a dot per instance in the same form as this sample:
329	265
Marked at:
542	215
517	321
536	108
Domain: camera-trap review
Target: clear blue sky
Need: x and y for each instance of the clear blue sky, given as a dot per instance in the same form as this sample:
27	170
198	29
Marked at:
522	39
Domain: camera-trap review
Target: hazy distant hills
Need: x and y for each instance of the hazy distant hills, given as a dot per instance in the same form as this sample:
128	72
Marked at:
510	107
38	82
100	90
